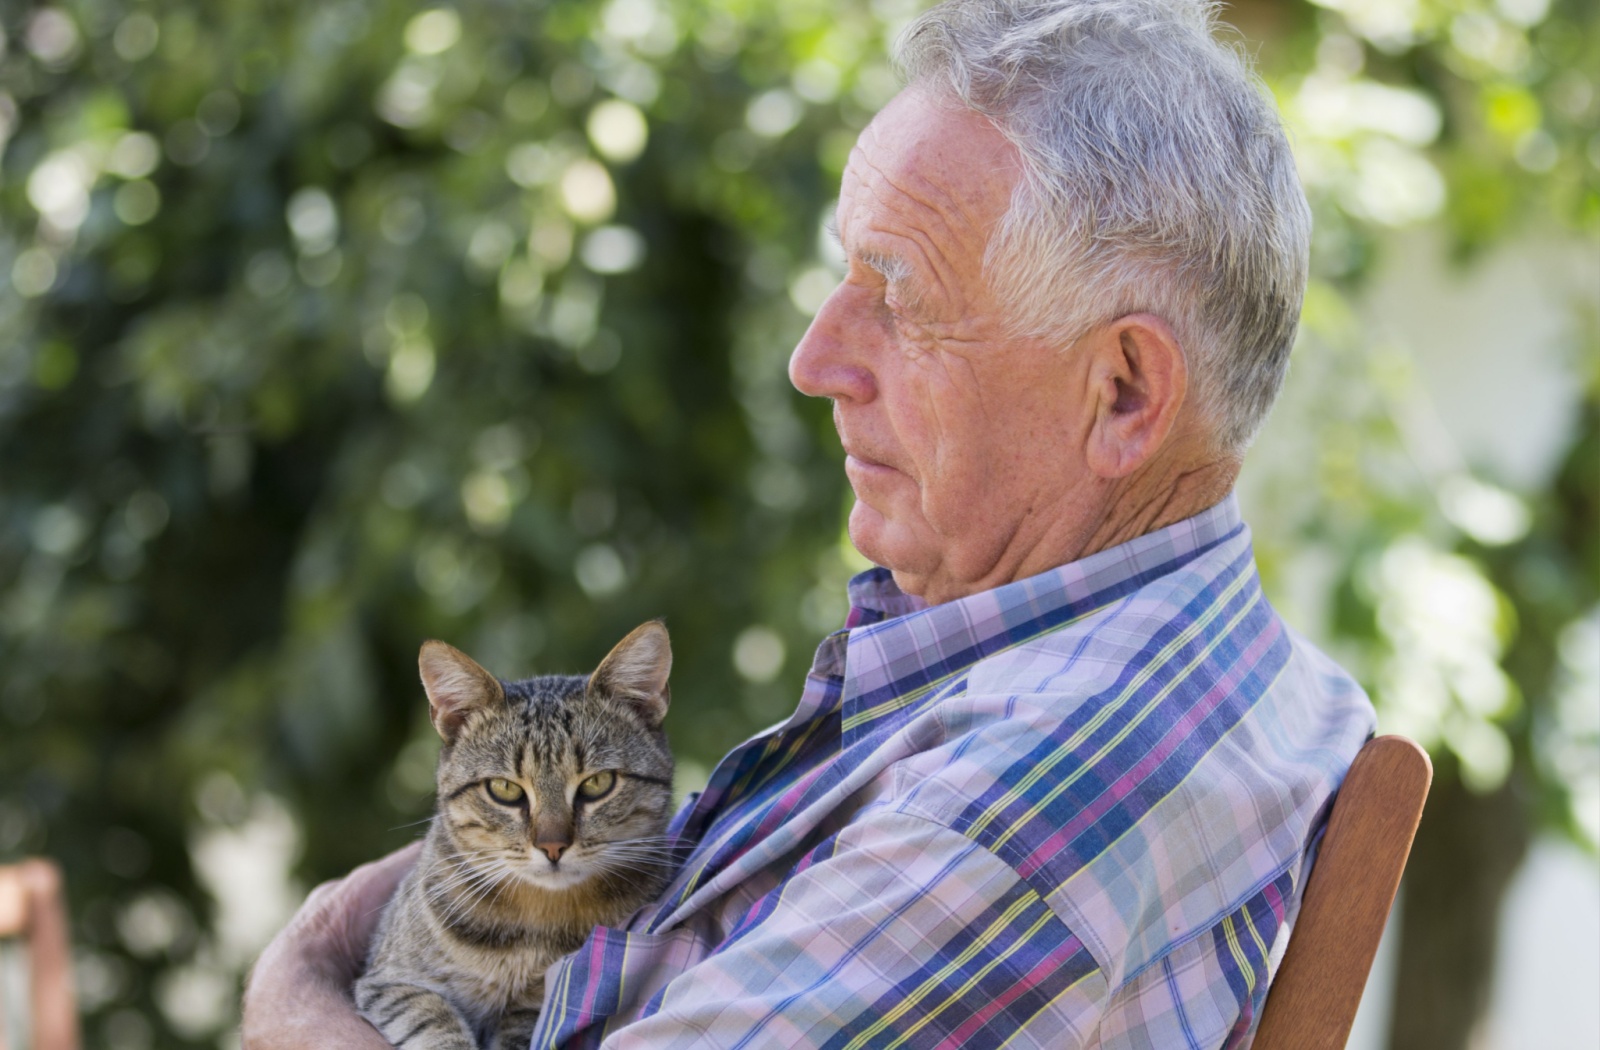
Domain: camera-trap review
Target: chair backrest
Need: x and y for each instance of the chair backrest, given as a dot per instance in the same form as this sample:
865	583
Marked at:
1313	999
32	906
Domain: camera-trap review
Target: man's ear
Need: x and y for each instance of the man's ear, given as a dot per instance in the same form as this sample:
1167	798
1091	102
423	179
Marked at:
456	686
1140	378
635	672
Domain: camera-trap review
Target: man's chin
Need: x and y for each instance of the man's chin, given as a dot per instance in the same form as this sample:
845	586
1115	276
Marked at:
885	542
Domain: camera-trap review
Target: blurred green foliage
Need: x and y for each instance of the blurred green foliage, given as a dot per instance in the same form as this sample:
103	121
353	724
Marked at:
328	328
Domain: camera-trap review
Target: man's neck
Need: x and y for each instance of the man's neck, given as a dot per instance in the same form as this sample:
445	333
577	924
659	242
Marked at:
1147	508
1113	513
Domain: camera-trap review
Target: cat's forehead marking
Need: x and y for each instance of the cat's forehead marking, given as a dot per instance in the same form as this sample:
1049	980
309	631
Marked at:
551	729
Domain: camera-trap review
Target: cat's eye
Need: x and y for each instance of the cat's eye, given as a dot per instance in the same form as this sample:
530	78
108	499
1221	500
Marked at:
597	786
504	791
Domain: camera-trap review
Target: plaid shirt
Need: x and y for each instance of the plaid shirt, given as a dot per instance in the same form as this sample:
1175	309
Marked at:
1076	810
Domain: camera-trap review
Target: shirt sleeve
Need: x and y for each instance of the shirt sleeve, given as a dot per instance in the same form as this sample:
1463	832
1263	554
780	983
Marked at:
1207	992
896	931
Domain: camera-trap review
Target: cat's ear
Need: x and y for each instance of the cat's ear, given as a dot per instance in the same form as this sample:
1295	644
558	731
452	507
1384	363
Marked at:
456	686
636	671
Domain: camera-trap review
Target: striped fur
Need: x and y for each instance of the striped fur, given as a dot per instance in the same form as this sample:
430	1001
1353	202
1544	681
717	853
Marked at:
506	885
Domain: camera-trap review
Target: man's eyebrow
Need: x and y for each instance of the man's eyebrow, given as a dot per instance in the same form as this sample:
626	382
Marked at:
894	269
888	264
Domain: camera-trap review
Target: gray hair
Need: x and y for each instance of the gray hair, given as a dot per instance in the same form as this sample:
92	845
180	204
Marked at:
1156	177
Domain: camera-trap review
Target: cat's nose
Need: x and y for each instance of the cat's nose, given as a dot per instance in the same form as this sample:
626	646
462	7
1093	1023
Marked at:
553	850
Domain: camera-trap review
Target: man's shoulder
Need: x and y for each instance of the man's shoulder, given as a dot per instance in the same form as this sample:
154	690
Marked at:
1146	769
1069	723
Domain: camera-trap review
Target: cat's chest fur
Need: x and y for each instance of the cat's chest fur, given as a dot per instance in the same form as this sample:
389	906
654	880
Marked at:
491	956
491	985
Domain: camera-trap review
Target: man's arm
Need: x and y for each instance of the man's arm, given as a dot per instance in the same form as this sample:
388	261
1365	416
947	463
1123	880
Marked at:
897	928
298	995
899	931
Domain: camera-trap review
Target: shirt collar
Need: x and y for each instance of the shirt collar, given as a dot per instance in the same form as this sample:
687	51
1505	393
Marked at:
899	646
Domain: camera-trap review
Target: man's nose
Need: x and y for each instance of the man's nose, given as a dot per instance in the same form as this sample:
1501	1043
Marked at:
829	359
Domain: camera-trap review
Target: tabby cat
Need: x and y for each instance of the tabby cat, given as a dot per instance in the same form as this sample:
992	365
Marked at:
553	793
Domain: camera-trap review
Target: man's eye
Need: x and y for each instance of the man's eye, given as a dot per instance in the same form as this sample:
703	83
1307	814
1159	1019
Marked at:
597	786
504	791
902	317
903	306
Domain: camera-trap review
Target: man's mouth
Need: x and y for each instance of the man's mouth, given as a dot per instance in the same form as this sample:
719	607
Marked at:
857	455
860	470
864	462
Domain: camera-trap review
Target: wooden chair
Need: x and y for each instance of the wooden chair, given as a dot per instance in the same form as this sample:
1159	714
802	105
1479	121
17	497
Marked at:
32	906
1314	995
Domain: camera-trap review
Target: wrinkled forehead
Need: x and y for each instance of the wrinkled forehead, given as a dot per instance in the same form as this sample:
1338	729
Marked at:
929	166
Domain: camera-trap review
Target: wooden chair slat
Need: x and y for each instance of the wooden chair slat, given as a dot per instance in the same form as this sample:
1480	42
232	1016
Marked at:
1314	995
33	904
13	903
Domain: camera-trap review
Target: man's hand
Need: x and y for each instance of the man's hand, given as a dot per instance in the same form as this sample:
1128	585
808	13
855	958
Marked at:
298	995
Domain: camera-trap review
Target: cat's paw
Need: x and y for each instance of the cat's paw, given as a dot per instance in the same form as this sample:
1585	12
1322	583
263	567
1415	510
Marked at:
515	1031
413	1018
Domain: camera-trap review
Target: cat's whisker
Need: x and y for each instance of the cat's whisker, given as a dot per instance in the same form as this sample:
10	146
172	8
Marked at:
467	861
465	874
473	895
651	847
464	868
650	840
460	886
448	897
457	865
645	851
623	865
612	872
641	843
634	861
469	879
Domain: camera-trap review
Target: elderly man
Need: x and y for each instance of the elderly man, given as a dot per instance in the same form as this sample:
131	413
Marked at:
1058	782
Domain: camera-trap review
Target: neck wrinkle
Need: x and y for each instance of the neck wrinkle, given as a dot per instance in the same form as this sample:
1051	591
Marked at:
1186	494
1139	505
